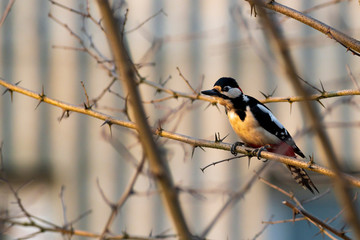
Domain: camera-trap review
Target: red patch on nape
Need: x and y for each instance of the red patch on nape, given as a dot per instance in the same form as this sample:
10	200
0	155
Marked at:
241	90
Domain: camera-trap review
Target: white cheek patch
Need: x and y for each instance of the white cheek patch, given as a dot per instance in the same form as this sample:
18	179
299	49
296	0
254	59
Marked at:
233	93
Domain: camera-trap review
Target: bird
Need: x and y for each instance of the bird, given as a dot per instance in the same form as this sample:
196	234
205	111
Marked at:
257	126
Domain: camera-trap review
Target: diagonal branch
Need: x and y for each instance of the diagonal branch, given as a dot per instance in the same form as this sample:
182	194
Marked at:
348	42
157	163
316	221
340	181
178	137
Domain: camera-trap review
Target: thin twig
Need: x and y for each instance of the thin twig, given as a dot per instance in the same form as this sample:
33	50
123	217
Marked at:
86	95
145	21
126	194
61	195
263	229
186	81
289	195
316	221
233	200
6	12
221	161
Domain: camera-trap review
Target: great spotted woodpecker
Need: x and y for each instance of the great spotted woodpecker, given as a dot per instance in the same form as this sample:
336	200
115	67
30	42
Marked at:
256	125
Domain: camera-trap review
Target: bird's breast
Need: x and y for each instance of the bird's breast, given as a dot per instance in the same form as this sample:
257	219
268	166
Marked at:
250	131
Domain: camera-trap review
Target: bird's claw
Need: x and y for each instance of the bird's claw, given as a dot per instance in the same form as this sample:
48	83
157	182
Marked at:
233	147
258	151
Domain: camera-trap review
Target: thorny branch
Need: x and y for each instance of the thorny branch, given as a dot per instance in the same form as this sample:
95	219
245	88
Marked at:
280	45
175	136
346	41
108	65
299	209
158	165
314	220
232	200
104	62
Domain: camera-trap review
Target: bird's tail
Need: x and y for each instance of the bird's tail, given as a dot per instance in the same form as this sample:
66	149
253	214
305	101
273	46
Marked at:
302	178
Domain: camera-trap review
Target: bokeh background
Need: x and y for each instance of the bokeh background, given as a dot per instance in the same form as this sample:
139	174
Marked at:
64	160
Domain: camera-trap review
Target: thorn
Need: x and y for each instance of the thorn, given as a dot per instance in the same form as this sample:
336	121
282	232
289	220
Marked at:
159	129
164	83
253	9
273	91
109	123
65	113
265	95
311	161
290	106
268	95
11	91
42	96
87	107
218	139
193	151
321	103
249	159
158	91
322	87
209	105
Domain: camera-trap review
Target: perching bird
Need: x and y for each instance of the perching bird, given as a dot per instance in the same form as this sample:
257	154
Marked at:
256	125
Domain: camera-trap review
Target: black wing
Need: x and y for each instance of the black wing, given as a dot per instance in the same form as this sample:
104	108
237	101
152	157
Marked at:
269	122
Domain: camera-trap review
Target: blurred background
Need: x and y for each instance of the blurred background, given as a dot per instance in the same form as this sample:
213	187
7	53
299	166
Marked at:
65	161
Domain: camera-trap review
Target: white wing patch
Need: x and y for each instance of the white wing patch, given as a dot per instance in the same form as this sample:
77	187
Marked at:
273	118
245	98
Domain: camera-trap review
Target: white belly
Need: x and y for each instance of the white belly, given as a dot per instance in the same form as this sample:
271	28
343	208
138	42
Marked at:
249	130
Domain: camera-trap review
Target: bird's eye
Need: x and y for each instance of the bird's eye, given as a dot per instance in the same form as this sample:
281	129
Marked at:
226	88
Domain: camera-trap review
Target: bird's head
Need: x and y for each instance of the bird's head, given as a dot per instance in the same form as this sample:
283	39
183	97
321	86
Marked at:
225	89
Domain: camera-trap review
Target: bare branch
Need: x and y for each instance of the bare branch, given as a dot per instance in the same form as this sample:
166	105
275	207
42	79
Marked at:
349	43
317	222
341	182
186	81
161	11
157	164
313	97
233	200
6	12
115	207
179	137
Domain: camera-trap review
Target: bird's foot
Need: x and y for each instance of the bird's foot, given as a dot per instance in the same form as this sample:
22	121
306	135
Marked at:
258	151
233	147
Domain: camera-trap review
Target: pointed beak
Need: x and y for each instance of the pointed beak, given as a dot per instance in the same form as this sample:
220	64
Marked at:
211	92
